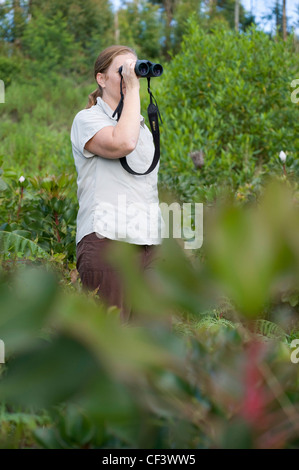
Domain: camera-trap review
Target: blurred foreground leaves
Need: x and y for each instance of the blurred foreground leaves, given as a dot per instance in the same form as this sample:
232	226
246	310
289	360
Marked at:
254	253
193	369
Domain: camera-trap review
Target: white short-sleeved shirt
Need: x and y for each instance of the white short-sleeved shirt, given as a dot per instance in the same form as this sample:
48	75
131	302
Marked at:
112	202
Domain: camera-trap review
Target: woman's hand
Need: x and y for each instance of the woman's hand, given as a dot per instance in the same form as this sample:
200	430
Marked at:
131	80
121	139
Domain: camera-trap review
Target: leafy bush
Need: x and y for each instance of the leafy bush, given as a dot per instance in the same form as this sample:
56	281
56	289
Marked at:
227	95
38	215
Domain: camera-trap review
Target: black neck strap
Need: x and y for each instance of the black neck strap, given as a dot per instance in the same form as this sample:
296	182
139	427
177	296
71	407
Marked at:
153	116
121	102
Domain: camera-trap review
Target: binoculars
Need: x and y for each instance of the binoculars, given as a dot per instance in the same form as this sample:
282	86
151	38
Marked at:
145	68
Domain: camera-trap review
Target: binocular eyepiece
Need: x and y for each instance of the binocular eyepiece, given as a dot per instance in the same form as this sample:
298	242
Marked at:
146	69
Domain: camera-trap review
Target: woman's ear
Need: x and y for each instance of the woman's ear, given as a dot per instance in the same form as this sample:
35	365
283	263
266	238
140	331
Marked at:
100	78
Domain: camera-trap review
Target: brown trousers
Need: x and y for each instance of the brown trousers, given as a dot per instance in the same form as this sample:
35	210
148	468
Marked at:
97	273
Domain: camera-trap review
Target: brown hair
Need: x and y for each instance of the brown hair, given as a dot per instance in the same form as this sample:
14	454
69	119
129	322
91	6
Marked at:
102	64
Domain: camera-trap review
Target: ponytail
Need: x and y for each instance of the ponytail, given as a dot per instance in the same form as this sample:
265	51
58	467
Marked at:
92	98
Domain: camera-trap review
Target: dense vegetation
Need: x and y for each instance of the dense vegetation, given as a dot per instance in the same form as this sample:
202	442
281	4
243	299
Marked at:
214	328
233	104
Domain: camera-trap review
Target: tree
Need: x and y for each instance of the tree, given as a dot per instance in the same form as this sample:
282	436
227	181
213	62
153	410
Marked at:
278	16
168	7
18	20
231	12
237	14
212	6
89	21
48	45
184	9
140	26
13	16
284	20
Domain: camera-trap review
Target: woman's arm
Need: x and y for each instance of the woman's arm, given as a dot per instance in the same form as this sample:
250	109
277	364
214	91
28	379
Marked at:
120	140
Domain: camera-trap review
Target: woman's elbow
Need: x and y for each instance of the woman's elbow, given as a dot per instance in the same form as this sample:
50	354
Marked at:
130	145
125	142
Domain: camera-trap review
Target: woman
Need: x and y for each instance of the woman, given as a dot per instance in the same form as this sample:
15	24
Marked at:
114	205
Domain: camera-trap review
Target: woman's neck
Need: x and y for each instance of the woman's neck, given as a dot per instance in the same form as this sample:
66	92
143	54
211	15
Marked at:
110	101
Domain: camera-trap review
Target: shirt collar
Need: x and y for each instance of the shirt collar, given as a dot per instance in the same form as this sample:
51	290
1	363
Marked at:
107	110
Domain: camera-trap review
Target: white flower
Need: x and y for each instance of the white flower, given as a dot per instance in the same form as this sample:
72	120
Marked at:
22	179
282	156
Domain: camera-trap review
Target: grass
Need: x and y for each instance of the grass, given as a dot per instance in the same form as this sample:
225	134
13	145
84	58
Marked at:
36	120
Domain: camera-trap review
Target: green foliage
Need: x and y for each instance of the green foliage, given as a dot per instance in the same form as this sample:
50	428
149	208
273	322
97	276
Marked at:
211	328
38	215
89	22
250	251
197	378
184	9
47	54
56	35
224	11
13	16
269	329
17	427
15	242
140	27
233	103
35	124
9	68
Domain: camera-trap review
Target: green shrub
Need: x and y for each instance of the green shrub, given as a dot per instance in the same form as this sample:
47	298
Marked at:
38	216
36	120
9	69
228	95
